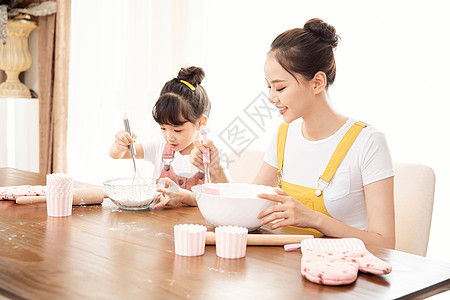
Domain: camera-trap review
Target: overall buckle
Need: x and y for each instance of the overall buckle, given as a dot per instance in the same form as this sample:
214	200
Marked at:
321	185
167	162
279	177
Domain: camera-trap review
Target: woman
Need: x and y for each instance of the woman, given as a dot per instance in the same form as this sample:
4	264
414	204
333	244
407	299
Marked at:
335	173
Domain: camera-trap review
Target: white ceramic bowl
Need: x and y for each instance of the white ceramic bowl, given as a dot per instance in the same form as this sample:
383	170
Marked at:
132	195
232	204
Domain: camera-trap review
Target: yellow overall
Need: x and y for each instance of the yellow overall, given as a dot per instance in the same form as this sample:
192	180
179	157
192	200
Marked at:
313	197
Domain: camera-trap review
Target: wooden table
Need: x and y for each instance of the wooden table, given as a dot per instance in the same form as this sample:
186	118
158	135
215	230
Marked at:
102	252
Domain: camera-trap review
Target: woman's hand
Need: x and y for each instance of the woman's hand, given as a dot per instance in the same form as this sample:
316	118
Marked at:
288	211
174	196
216	171
380	210
120	148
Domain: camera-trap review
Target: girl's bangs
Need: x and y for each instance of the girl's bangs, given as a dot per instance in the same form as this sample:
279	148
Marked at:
170	110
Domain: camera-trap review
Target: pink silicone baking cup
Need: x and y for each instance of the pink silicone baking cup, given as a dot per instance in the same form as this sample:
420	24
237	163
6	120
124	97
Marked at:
231	241
59	195
189	239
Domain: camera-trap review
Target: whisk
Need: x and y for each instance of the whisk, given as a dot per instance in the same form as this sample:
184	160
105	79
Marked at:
140	187
206	153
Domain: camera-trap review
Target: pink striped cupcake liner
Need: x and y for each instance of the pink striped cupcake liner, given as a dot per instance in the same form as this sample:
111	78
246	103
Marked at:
189	239
59	195
231	241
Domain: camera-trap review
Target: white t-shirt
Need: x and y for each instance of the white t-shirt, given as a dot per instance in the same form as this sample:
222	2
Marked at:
181	164
367	161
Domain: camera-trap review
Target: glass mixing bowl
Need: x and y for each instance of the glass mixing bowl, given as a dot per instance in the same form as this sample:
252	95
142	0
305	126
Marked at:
132	193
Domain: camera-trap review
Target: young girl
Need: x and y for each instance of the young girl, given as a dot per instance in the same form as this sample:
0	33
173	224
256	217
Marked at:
335	173
183	106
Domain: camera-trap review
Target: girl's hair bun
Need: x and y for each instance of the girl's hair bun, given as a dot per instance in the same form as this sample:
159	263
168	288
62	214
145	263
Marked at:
325	31
193	75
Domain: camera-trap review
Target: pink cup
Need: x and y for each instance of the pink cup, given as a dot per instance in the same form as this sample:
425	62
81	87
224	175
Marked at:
231	241
189	239
59	195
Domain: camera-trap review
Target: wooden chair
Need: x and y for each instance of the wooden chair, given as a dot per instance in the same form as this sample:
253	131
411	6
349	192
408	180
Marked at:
244	167
413	197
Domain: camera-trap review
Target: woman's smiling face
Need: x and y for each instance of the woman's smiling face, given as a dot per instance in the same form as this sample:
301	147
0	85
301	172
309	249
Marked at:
291	95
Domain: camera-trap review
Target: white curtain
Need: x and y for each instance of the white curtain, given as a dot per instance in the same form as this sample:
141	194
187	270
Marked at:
392	67
122	52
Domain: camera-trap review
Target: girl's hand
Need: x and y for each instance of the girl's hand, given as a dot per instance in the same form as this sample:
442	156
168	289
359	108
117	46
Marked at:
174	196
122	140
288	211
197	154
216	171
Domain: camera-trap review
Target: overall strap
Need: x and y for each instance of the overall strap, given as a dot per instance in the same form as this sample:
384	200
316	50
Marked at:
281	142
341	151
168	152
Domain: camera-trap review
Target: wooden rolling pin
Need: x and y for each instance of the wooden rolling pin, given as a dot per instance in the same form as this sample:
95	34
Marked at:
80	196
265	239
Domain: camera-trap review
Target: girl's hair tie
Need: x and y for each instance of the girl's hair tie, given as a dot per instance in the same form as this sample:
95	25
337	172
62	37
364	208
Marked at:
188	84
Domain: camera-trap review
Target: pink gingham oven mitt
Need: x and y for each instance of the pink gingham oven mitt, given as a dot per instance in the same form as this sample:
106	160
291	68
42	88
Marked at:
337	261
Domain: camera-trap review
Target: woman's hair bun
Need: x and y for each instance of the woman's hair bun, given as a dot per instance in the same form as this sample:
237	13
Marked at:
323	30
193	75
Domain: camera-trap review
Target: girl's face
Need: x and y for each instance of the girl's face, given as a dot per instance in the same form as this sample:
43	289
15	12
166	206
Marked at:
180	137
291	95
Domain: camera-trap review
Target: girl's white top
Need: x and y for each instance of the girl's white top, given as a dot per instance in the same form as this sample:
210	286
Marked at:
367	161
181	164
